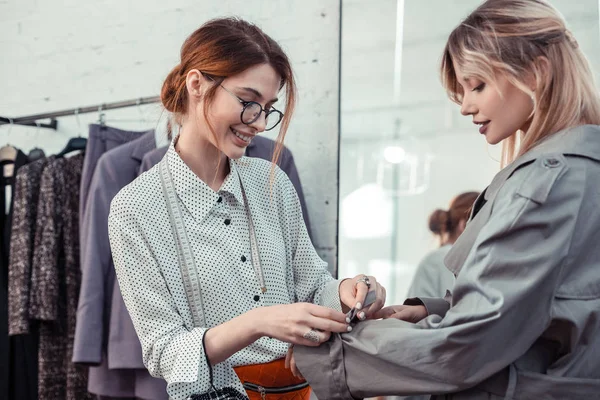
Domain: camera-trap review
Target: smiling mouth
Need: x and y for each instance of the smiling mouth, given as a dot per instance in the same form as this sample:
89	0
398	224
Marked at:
245	138
483	126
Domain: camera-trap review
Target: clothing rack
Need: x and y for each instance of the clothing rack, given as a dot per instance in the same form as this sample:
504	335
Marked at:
32	120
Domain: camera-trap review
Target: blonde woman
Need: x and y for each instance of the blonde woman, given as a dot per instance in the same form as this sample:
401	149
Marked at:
524	318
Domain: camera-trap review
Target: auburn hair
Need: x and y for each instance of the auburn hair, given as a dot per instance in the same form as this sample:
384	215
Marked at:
445	222
224	47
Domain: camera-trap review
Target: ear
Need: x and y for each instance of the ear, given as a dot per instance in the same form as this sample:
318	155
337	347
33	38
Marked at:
195	83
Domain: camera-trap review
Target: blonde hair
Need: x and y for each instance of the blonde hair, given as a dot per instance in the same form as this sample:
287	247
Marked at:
523	39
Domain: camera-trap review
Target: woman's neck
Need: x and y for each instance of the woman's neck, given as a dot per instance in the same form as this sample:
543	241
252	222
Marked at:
202	157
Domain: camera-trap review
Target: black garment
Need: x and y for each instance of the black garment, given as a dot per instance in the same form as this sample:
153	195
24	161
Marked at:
18	367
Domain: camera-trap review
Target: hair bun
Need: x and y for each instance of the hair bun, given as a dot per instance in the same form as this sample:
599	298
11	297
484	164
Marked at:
171	94
438	220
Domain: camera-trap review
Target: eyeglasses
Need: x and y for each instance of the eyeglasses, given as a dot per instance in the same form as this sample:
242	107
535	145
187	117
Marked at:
251	111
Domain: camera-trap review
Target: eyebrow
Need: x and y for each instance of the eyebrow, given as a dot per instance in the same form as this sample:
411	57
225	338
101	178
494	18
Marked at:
258	94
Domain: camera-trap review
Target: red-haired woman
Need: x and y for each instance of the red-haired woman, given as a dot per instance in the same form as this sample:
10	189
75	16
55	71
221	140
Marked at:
210	248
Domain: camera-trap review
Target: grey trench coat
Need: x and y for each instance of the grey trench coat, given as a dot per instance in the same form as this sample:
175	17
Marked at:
523	321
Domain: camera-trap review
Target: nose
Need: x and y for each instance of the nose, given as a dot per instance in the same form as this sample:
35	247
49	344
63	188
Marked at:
260	124
467	107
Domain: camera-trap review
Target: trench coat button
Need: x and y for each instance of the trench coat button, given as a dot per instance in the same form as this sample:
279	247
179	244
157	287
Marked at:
551	163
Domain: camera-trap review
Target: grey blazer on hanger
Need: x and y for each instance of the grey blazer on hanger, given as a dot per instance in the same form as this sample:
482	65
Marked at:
105	339
523	320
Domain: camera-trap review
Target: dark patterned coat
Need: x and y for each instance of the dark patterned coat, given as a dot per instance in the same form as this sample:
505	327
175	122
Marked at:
56	279
26	196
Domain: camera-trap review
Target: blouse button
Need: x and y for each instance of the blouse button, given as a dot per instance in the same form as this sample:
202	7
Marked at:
220	199
227	221
243	258
256	297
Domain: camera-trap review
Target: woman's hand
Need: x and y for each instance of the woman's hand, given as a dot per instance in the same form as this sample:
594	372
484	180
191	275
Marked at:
405	313
300	323
290	362
354	291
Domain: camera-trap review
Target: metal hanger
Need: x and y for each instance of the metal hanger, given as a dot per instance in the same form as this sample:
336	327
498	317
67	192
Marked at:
101	117
36	153
8	155
139	107
103	120
8	152
76	143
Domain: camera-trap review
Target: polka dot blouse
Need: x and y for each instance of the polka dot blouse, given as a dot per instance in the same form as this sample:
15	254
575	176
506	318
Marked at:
146	263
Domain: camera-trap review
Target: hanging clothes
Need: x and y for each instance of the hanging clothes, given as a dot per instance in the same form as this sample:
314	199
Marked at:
26	196
15	376
152	158
55	280
116	162
101	138
118	343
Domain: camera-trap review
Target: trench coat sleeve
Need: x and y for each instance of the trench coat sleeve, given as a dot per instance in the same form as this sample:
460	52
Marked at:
434	305
501	302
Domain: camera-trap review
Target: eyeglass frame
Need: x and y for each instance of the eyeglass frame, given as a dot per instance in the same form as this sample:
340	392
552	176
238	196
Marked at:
245	105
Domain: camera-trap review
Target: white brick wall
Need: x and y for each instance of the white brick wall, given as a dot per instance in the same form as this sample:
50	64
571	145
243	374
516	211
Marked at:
67	54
